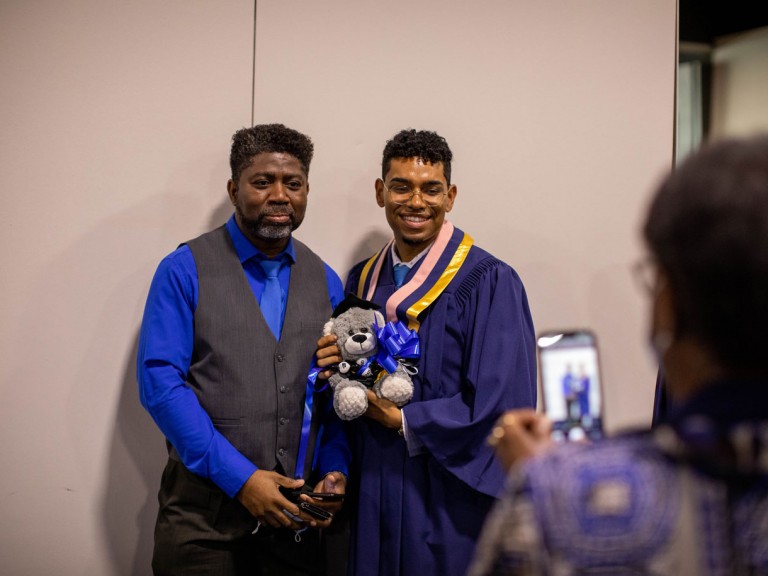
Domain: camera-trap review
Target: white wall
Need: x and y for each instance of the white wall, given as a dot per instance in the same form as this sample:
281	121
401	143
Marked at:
117	120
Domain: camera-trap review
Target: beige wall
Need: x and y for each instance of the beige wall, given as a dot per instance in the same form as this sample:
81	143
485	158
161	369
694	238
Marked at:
116	118
560	115
116	124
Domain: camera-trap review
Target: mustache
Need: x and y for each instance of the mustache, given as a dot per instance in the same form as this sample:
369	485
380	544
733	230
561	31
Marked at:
278	211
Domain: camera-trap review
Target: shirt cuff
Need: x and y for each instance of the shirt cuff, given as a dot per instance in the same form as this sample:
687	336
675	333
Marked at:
229	469
414	445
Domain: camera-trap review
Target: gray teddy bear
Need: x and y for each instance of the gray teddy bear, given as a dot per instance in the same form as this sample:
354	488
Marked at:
354	323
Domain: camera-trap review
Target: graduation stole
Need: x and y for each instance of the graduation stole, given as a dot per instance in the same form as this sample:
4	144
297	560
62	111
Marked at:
439	267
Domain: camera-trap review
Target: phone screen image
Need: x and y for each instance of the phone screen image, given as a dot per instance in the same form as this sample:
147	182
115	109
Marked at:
570	381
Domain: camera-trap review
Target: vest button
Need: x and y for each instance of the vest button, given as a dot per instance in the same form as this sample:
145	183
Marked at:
283	389
280	357
282	452
283	421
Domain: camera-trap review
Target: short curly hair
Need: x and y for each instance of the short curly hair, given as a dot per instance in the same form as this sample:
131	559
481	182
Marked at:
248	142
707	227
428	146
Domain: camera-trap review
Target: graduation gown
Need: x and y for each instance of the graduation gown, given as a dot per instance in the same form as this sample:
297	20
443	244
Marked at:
420	513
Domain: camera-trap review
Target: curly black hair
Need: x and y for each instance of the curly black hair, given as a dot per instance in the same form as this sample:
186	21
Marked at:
428	146
248	142
707	227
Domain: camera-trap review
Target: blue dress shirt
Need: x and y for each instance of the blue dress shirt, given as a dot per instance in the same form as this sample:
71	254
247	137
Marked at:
165	352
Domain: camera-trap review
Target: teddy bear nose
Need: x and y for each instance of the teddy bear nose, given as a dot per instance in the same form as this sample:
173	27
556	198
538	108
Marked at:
359	338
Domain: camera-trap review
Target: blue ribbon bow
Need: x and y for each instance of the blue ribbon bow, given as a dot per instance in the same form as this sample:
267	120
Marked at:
396	341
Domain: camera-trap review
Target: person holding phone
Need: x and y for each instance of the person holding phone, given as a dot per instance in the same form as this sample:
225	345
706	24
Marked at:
689	496
422	477
226	342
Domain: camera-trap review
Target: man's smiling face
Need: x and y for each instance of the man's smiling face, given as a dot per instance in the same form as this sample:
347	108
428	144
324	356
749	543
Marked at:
417	222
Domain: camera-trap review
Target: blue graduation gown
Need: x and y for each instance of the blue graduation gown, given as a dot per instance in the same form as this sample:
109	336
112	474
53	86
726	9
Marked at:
421	514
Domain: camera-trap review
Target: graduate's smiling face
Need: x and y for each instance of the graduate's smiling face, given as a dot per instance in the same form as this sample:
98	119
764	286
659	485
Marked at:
415	196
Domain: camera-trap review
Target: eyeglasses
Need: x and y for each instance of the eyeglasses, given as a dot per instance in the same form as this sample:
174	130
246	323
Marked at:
401	193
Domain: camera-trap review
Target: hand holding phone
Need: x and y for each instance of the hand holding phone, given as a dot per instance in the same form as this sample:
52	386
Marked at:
293	494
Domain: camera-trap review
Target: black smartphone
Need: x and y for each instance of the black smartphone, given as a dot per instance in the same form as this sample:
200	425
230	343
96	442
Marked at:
571	387
314	511
326	496
293	494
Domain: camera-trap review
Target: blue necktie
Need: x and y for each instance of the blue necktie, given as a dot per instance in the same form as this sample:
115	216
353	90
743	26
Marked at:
272	297
400	271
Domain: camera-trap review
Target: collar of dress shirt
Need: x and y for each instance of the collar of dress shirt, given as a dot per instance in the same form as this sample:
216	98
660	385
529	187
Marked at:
396	259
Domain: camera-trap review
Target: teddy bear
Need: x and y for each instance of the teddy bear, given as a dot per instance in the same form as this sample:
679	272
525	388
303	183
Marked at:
366	363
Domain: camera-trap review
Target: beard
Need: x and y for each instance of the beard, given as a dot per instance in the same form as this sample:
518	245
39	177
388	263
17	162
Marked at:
260	228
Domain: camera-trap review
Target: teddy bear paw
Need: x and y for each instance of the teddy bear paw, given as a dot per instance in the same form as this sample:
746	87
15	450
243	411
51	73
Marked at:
398	390
350	403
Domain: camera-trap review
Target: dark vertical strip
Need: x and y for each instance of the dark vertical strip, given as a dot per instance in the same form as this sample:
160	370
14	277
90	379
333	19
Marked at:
676	90
706	95
253	71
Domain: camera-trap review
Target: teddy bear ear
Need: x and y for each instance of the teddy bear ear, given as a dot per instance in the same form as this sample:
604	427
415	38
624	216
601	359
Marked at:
328	328
379	318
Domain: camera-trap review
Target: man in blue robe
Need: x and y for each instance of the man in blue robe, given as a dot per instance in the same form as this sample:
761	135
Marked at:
423	477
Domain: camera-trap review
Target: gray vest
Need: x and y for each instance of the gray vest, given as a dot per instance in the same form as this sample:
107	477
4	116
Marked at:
252	386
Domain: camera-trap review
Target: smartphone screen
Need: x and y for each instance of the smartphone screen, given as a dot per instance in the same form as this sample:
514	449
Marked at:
570	382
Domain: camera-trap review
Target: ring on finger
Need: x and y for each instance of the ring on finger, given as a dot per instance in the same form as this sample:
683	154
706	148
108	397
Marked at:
496	435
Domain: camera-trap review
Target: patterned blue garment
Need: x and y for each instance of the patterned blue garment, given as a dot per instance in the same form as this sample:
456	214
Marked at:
690	497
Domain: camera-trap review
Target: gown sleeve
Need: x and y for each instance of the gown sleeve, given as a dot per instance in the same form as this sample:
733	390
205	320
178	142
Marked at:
497	371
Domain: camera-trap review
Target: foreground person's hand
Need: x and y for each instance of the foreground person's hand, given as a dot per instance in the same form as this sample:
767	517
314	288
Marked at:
519	435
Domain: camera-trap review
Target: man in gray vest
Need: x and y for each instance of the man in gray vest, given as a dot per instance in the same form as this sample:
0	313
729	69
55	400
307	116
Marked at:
226	345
